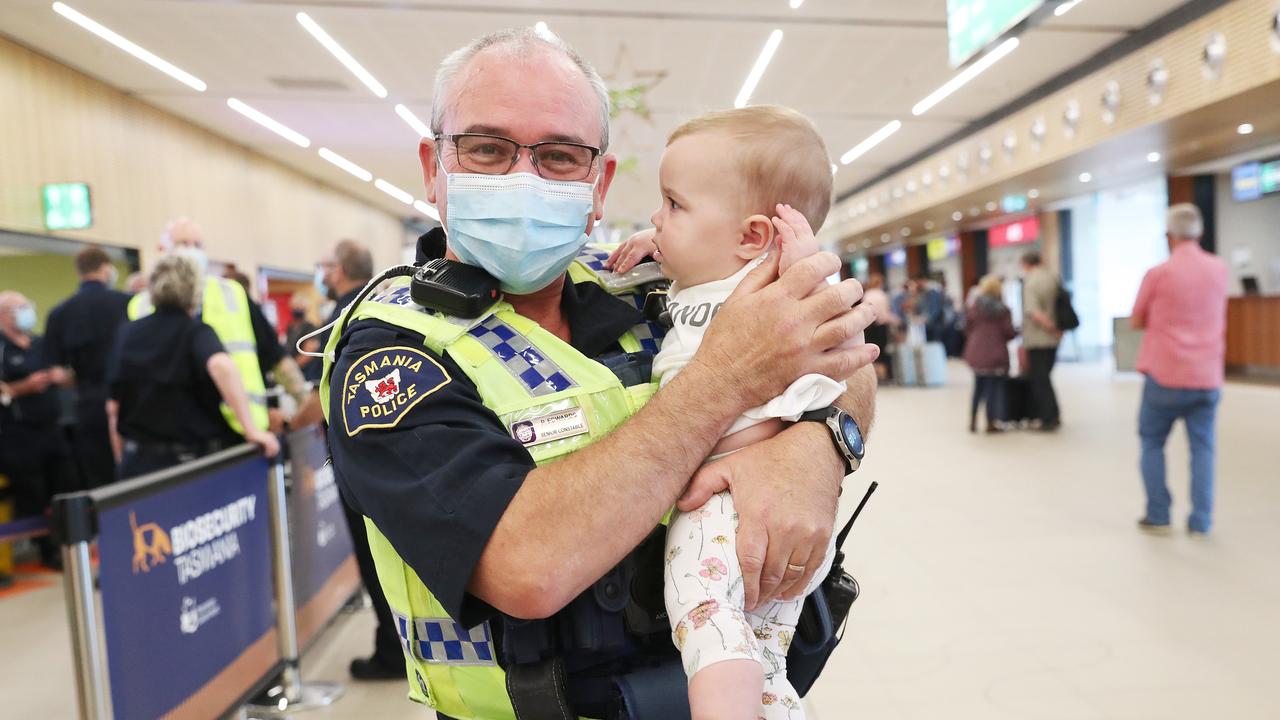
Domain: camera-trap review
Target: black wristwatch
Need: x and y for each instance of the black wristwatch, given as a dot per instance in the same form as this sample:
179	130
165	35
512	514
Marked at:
845	434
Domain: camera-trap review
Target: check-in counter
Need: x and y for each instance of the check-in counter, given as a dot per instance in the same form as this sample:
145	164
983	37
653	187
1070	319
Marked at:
1253	334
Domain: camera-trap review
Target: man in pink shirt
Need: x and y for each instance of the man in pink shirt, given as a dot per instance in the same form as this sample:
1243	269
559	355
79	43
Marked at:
1182	305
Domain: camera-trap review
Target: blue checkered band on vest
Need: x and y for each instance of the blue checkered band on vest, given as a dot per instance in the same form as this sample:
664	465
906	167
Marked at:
443	641
593	258
525	363
648	333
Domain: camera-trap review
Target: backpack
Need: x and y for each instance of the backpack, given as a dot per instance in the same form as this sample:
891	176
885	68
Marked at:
1064	316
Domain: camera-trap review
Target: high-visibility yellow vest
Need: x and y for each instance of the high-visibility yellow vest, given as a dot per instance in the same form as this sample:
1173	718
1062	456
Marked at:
451	668
225	308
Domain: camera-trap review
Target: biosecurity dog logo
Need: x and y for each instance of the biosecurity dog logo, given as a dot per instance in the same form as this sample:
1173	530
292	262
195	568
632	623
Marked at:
382	387
197	545
150	545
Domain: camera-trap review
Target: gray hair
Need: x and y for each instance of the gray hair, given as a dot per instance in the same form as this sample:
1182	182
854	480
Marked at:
174	281
1185	222
516	42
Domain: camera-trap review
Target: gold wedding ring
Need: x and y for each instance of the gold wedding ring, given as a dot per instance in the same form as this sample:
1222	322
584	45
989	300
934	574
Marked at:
795	568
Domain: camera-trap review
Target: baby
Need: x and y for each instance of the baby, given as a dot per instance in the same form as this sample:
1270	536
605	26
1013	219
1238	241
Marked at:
735	185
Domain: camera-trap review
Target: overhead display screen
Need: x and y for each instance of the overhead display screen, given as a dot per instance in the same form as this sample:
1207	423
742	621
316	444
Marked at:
1251	181
973	24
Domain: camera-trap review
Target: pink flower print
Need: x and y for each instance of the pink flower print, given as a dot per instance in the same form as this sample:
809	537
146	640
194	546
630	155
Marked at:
768	699
701	614
713	569
699	514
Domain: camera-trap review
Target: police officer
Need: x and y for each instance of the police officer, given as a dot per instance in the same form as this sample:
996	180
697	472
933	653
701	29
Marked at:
504	466
79	335
167	377
246	334
33	452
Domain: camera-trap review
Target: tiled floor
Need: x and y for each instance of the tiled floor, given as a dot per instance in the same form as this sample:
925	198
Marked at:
1002	577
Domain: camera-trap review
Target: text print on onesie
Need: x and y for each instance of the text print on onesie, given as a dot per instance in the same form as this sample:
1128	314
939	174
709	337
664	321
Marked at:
555	425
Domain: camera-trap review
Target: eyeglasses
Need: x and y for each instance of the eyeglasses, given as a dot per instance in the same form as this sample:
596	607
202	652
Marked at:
496	155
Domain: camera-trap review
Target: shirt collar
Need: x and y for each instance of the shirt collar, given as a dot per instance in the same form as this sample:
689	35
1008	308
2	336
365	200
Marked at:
91	284
596	318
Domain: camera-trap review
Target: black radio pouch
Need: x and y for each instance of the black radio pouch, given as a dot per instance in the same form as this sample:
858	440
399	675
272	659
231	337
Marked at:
821	625
454	288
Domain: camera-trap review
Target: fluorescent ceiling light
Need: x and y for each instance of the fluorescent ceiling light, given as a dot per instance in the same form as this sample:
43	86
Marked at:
426	209
876	138
287	133
991	206
834	168
1033	193
957	216
964	76
393	191
1245	129
542	30
418	126
1086	177
343	56
796	3
757	70
1153	157
1065	8
130	47
345	164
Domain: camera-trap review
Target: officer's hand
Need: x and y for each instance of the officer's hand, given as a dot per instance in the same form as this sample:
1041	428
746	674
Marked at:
773	330
39	381
265	440
786	491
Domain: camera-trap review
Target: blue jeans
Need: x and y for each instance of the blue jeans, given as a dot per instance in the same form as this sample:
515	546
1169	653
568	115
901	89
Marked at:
1161	408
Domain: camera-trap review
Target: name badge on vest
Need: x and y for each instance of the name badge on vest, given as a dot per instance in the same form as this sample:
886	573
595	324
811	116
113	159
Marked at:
554	425
384	385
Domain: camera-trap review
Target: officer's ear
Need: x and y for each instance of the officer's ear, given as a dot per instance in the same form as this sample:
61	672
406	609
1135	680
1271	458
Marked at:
757	236
430	168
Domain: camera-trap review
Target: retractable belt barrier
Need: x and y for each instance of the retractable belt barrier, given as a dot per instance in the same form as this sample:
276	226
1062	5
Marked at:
192	609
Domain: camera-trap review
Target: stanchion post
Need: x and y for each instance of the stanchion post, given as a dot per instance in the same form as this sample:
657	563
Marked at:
292	695
75	531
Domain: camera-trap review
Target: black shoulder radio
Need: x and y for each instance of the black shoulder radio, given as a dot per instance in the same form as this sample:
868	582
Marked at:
454	288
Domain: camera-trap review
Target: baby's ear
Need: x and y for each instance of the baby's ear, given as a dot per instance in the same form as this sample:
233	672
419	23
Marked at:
757	236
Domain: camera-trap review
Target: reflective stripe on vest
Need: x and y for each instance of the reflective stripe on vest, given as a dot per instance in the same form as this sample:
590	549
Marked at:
225	308
522	372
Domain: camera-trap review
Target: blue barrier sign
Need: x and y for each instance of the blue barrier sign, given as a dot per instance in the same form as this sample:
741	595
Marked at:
186	582
324	565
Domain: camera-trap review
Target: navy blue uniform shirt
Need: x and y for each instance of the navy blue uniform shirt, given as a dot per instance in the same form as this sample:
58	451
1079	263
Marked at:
436	470
16	364
80	333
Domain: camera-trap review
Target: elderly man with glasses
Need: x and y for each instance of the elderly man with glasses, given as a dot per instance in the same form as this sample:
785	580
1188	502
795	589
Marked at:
508	465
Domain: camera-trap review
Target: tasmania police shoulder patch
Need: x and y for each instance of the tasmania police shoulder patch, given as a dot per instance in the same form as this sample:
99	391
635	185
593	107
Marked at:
382	386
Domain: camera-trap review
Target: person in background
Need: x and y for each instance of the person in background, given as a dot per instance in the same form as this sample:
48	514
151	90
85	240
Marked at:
341	274
167	376
246	334
989	330
33	451
79	335
1040	336
1182	306
301	323
135	283
879	332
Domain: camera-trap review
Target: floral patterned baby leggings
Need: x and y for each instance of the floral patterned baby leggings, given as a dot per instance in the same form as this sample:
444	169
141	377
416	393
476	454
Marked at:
704	598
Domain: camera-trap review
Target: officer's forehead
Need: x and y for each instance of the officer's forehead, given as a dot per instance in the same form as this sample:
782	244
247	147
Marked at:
537	95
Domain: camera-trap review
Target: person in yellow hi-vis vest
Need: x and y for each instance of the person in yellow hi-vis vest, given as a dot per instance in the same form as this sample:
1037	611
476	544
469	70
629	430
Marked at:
239	323
513	462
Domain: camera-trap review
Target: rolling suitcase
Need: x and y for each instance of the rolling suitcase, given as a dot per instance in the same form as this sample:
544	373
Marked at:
932	364
904	365
1017	397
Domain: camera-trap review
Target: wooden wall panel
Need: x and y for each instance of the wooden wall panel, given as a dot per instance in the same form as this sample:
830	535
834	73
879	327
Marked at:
145	166
1253	332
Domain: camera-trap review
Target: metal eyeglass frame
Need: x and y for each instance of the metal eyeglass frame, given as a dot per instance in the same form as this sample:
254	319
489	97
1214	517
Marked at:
533	155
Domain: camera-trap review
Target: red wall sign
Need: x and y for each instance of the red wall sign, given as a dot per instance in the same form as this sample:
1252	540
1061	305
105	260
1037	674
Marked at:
1015	233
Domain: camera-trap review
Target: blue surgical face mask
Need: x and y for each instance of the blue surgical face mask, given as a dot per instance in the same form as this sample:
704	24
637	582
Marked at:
523	229
25	318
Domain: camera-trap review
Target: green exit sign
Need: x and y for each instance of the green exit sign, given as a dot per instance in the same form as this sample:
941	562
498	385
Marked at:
67	206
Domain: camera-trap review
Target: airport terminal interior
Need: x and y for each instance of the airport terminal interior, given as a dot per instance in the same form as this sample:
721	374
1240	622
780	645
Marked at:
1064	213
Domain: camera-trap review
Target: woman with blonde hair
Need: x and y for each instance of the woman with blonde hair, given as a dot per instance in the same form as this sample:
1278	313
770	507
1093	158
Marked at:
989	330
167	377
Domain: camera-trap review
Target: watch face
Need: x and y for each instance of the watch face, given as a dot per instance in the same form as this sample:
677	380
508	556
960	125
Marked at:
852	435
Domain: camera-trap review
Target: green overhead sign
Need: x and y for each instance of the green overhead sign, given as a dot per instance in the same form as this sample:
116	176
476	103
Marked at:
973	24
67	206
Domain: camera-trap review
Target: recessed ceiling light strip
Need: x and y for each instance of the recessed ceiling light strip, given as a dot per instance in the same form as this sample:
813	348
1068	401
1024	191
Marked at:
757	70
341	54
269	123
130	47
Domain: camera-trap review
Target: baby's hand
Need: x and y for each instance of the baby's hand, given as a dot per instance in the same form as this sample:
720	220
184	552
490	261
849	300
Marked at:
632	251
795	237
